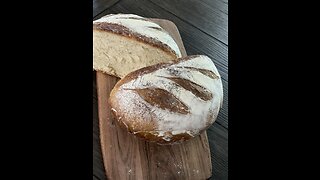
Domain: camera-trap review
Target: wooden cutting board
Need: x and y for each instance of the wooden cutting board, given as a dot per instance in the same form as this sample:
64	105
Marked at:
127	157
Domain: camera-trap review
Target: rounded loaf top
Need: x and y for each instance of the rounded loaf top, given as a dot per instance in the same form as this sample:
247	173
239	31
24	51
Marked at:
169	102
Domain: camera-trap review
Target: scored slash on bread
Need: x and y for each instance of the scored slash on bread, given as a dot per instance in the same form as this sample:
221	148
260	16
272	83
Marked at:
123	43
169	102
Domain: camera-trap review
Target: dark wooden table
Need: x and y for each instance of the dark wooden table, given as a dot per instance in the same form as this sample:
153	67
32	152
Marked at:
203	25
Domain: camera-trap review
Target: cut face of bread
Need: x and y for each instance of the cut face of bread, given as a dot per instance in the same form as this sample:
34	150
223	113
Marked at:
169	102
123	43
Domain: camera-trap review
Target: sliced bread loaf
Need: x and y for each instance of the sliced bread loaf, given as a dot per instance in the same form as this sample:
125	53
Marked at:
123	43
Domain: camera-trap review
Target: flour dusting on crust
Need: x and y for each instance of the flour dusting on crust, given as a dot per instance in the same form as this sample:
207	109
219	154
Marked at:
167	123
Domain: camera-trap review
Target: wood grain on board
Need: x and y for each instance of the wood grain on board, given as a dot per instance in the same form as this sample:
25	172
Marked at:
127	157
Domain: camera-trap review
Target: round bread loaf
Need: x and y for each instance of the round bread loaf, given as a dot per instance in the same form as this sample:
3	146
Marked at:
169	102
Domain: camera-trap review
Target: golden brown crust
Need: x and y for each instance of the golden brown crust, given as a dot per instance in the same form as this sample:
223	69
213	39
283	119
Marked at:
151	135
205	72
145	131
194	88
127	122
150	69
162	99
126	32
148	130
140	72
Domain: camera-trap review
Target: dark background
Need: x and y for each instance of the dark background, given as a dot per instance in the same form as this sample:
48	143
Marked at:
273	85
203	25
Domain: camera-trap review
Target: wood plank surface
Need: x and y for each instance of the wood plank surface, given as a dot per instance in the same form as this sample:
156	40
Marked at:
101	5
210	19
127	157
197	40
